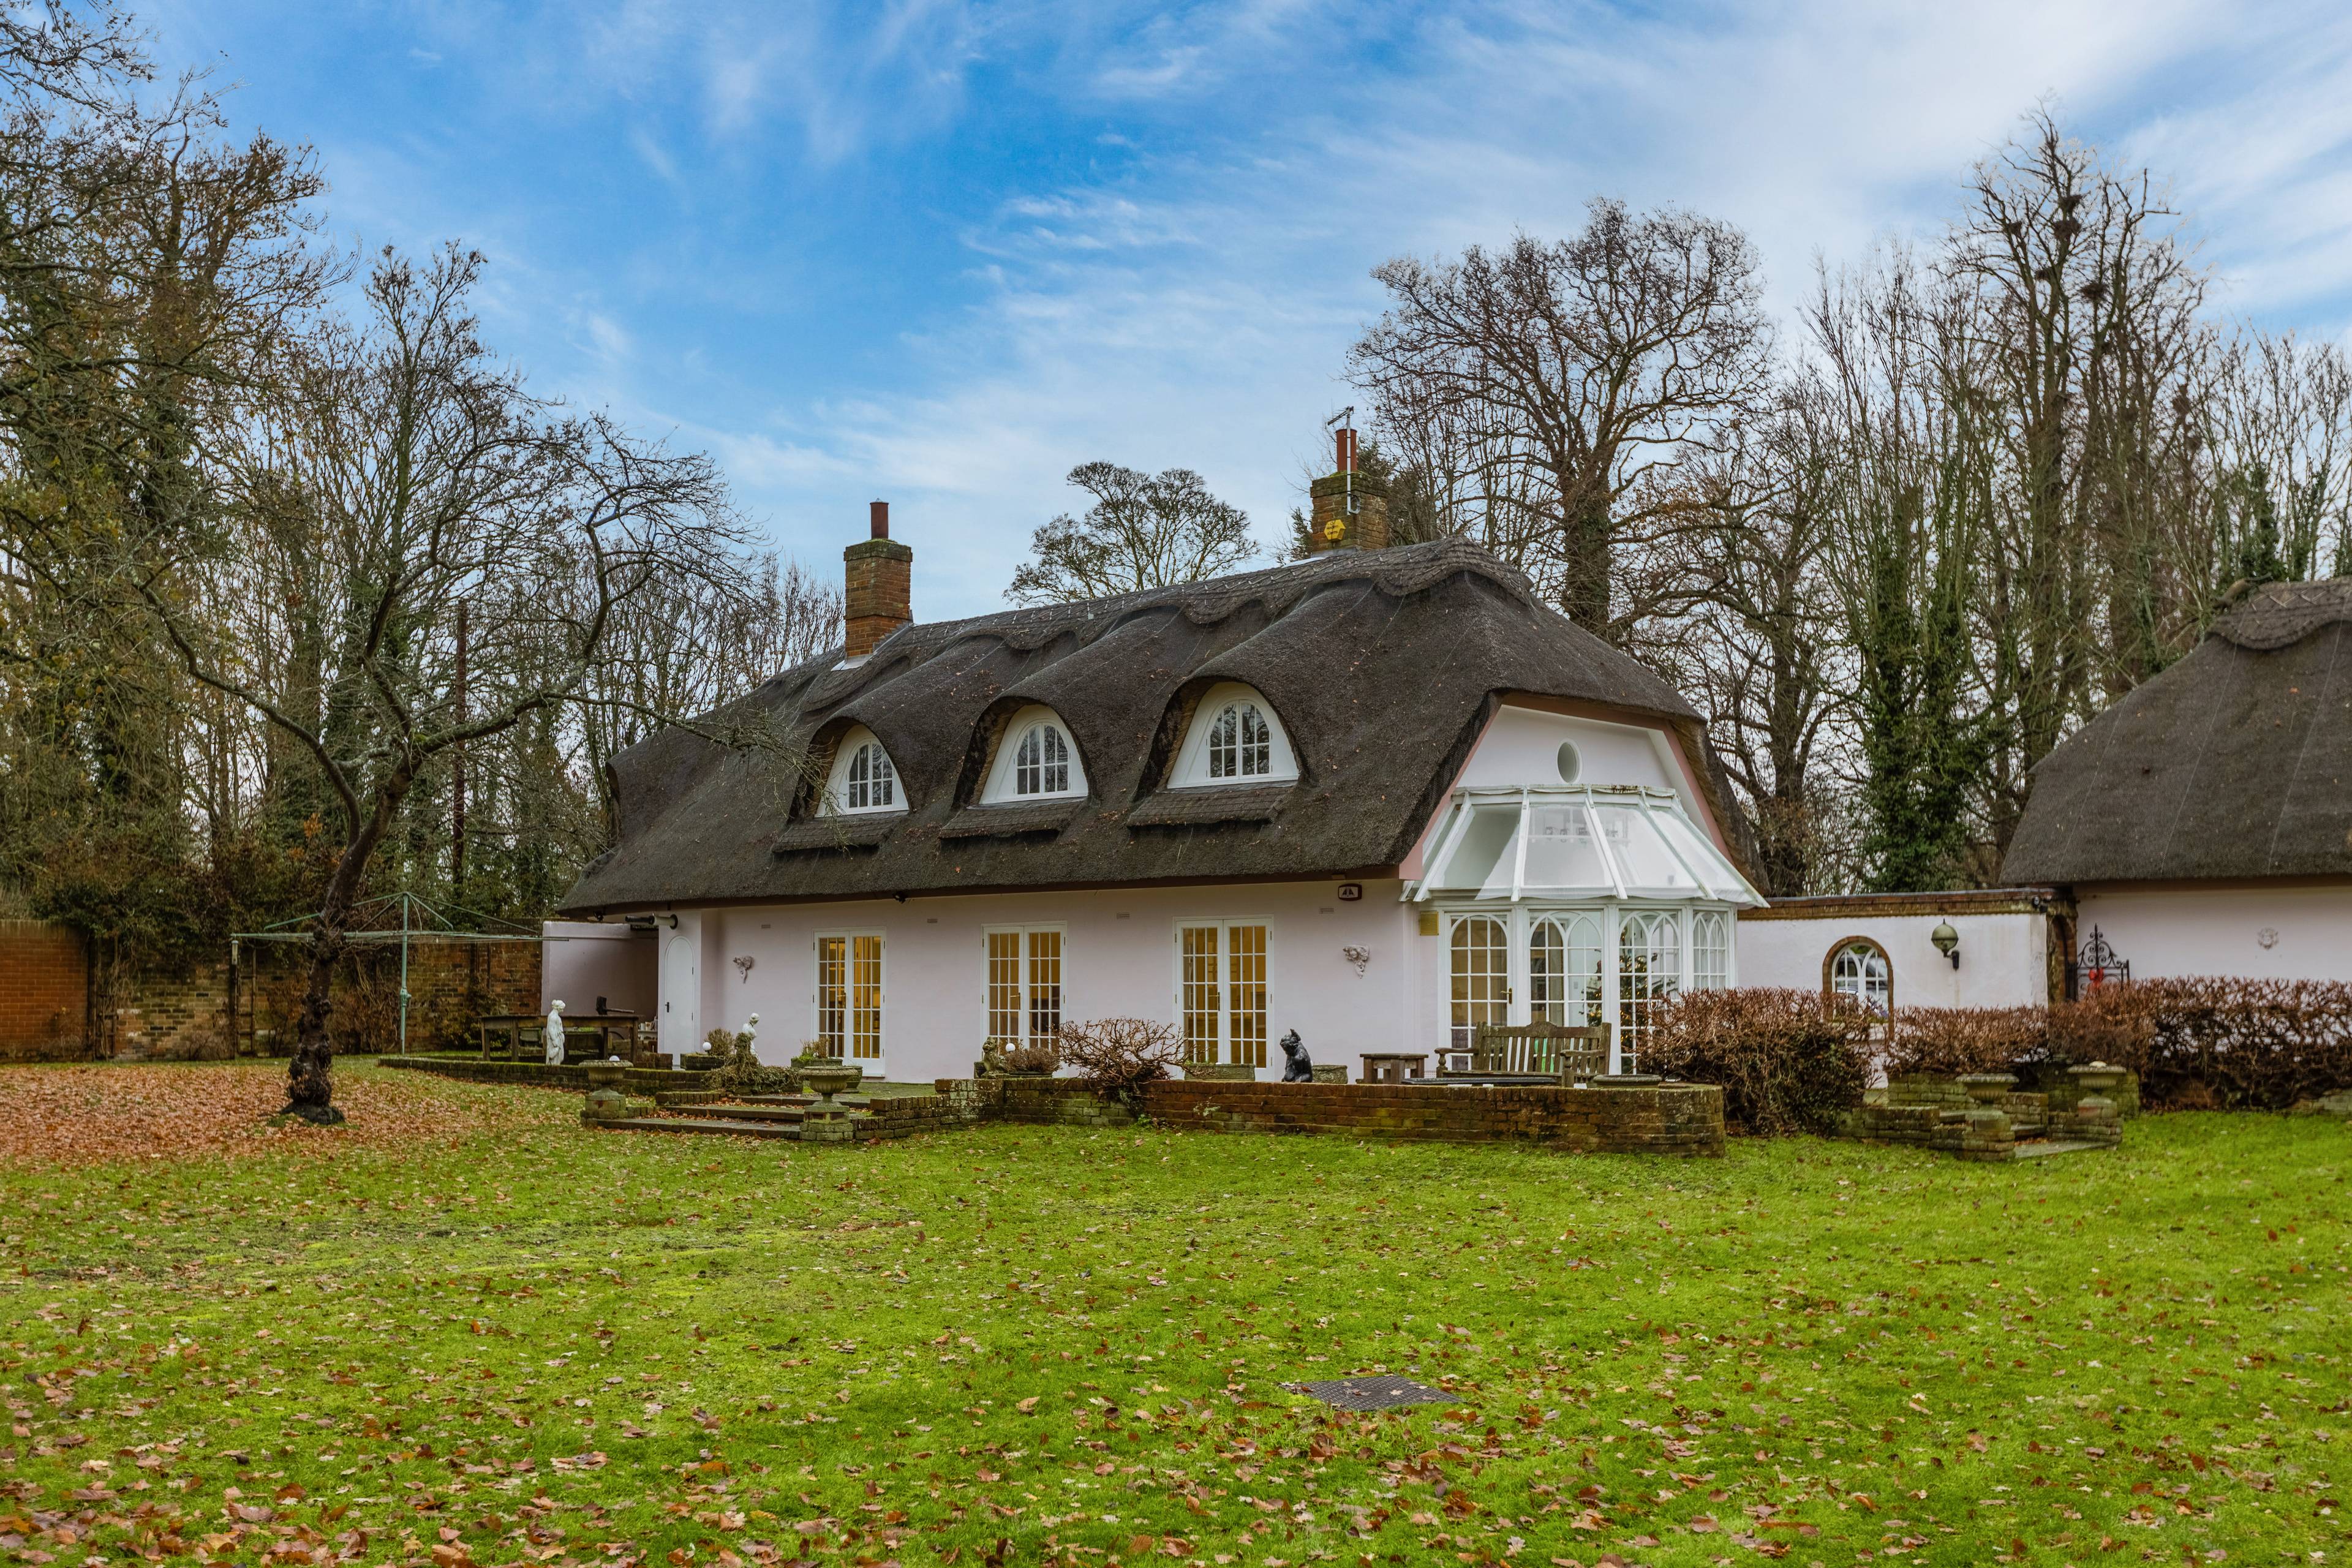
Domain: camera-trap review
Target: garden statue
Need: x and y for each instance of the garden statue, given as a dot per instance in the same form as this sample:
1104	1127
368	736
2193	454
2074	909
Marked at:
991	1060
1299	1069
555	1033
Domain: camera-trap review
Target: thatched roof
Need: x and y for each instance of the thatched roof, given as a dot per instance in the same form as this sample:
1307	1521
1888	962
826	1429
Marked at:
1383	667
2235	762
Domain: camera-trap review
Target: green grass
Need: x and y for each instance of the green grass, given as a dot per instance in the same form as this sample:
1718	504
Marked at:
545	1344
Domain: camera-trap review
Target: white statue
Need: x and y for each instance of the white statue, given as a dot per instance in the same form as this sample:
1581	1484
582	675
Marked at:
555	1033
751	1029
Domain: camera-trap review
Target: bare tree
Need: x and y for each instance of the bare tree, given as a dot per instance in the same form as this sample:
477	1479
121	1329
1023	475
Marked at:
2086	300
1549	386
406	473
1143	531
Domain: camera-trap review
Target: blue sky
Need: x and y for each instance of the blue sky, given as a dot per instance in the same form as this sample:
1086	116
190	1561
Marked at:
942	252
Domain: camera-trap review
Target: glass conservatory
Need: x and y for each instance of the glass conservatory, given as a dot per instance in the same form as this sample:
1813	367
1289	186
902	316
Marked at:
1579	904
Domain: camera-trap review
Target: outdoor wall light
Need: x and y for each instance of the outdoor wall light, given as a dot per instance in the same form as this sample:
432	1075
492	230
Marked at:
1947	940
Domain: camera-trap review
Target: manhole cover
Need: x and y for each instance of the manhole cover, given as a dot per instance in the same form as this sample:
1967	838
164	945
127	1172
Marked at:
1372	1392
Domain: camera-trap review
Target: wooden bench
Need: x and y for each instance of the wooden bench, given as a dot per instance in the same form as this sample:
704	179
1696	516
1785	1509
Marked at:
1541	1049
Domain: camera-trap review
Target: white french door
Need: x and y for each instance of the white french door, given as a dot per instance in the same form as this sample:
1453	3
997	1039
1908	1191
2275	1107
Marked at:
1222	988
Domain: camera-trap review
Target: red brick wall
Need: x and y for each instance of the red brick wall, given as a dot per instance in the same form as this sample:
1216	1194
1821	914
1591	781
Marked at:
1679	1119
879	593
44	989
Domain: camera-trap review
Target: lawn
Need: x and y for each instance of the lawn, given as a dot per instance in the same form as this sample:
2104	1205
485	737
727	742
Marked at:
465	1331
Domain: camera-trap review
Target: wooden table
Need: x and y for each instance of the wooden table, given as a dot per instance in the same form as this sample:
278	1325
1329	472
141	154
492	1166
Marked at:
523	1035
1394	1067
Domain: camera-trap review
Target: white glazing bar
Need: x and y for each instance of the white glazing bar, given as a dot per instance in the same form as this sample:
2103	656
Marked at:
1520	852
1447	841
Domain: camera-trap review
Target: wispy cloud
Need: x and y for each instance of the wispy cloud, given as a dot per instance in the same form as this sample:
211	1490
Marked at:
944	251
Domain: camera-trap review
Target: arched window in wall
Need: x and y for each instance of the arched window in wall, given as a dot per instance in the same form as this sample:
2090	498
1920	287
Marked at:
1648	974
1482	977
1564	970
1860	973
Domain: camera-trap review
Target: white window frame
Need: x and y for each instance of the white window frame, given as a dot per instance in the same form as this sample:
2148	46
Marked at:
1026	1007
1192	770
1223	926
1520	920
837	785
849	937
998	790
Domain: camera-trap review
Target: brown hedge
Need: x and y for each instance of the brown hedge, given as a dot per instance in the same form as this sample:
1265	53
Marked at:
2207	1042
1787	1064
1948	1041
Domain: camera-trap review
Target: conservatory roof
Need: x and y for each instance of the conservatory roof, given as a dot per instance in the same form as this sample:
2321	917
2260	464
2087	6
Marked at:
1575	841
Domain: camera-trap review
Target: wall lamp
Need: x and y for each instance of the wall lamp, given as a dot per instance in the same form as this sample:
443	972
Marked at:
1948	942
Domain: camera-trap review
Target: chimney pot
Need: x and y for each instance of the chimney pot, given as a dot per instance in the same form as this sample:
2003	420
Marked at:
878	514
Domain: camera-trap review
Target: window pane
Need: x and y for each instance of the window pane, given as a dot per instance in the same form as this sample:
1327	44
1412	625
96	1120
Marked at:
1704	857
1481	977
866	998
1641	854
1027	767
1481	859
1710	950
858	788
1649	973
1257	743
1561	851
1564	970
1547	975
886	779
1860	973
1245	964
1224	746
1197	960
1004	985
1056	776
1045	984
832	994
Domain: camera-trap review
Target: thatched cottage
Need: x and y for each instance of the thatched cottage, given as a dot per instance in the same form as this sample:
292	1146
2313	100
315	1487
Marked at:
1380	797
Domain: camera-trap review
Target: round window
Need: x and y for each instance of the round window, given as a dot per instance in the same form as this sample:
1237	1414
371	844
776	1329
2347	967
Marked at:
1570	763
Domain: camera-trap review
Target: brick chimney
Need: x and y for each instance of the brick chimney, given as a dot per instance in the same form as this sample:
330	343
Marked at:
876	598
1352	509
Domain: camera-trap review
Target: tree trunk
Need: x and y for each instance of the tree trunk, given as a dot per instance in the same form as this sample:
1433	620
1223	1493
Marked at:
310	1077
1585	549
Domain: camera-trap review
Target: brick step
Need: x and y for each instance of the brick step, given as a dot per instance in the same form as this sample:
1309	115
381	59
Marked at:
701	1124
788	1115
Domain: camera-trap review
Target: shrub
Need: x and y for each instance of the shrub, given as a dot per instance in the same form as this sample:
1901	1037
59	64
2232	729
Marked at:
1033	1056
1117	1057
1948	1041
2216	1042
1787	1062
739	1069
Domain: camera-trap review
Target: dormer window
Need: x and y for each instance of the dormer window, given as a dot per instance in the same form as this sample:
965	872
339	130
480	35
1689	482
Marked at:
863	778
1035	760
1234	739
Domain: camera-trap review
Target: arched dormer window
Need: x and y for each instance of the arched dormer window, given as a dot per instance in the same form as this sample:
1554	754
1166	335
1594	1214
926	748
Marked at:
1234	739
1036	761
863	778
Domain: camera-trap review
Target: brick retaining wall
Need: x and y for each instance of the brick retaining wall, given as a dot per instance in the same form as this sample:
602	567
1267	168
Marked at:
44	989
1676	1119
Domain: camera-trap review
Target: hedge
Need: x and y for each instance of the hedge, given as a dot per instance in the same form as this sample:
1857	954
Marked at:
1785	1063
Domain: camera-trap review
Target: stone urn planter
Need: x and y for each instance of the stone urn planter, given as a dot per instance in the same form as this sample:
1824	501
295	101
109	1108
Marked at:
606	1100
1987	1088
2097	1078
829	1077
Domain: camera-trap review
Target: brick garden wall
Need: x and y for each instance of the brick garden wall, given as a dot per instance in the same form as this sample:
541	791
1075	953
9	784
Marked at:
1679	1119
44	990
